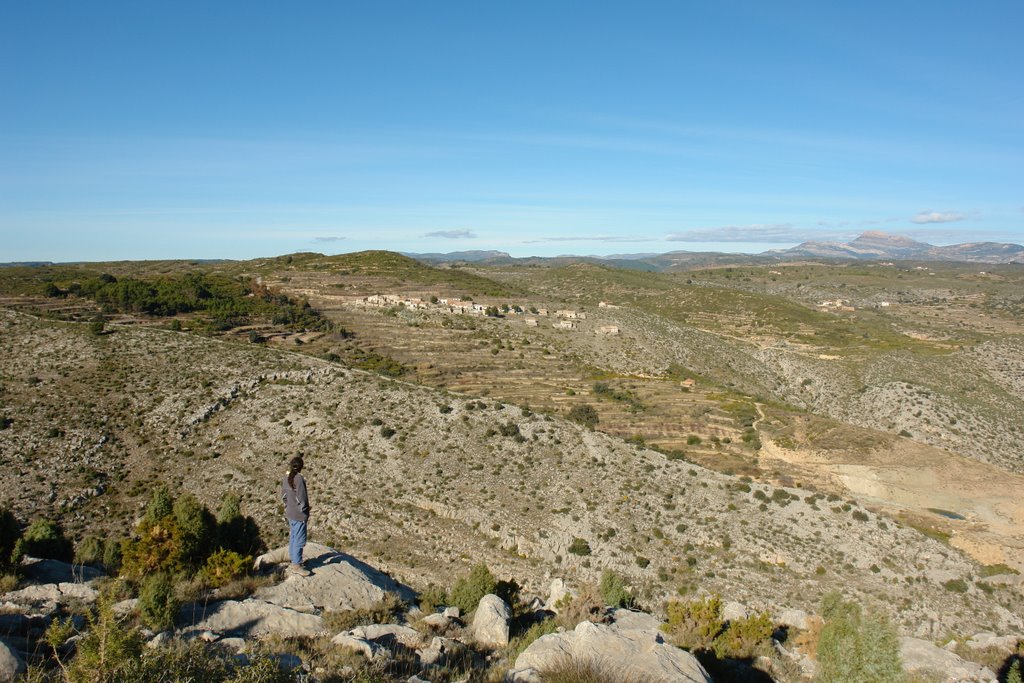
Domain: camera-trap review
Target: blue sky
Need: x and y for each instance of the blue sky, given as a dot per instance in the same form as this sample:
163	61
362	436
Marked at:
232	130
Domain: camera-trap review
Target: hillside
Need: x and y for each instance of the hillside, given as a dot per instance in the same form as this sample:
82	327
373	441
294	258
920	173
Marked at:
428	483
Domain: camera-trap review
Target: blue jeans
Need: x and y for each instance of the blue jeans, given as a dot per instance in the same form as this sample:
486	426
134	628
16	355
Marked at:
296	540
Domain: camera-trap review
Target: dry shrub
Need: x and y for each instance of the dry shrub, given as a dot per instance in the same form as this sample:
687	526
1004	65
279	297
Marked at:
386	611
806	641
585	672
588	605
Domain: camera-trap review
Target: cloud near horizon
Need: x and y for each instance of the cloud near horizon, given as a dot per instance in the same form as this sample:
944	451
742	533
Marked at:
452	234
328	238
937	217
768	233
593	238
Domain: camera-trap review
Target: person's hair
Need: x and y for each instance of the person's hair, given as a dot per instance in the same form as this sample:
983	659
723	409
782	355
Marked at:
294	467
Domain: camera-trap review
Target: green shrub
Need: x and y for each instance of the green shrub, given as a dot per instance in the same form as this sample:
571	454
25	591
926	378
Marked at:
956	586
89	551
112	554
236	531
45	538
197	527
1013	674
160	505
855	648
225	566
541	628
579	547
694	624
614	591
432	597
158	548
10	532
105	651
468	590
745	638
157	604
584	414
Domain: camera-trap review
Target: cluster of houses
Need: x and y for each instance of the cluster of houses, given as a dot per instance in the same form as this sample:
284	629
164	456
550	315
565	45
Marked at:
567	319
836	305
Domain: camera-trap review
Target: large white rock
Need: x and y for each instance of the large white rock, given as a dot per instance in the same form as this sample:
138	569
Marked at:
634	620
55	571
11	663
248	618
409	637
339	582
490	622
925	657
48	595
641	654
364	647
980	641
793	618
733	611
557	592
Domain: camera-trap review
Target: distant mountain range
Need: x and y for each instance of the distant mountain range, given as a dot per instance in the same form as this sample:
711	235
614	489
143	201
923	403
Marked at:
879	245
872	245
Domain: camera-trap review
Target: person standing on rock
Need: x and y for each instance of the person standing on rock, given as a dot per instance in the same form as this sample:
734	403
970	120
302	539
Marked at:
296	509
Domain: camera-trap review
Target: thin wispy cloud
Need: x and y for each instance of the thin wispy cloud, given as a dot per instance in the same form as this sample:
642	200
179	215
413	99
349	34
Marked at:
452	234
328	238
938	217
594	238
769	233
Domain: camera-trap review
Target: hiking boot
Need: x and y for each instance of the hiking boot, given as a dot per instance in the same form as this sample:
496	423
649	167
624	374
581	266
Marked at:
299	570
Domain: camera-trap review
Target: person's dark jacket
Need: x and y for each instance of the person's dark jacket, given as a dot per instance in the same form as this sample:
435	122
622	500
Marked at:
296	500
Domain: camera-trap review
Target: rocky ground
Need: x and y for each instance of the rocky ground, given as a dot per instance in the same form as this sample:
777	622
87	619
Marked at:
424	483
321	627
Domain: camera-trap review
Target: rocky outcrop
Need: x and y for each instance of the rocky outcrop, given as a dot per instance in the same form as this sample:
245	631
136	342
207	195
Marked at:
247	619
339	582
641	653
922	656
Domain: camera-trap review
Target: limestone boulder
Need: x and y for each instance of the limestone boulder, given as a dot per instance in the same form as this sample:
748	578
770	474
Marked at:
247	619
490	621
366	648
557	593
641	654
634	620
11	663
338	582
37	570
733	611
981	641
794	618
926	658
385	633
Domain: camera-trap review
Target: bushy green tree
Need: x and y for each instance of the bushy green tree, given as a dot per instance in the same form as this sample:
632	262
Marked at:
468	590
584	414
857	648
157	604
614	591
45	538
197	527
89	551
160	505
157	548
10	532
236	531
